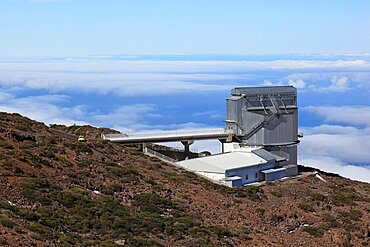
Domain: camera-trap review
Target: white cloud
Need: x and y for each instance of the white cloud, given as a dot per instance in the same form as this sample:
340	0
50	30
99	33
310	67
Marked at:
335	148
351	147
211	114
339	84
334	81
330	164
355	115
44	108
298	83
330	129
270	83
5	96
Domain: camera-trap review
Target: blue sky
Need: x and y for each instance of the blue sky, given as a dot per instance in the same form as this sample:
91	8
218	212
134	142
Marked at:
96	27
147	66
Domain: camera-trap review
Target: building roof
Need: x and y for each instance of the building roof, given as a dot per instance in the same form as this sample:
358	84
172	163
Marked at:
221	162
263	153
274	170
233	178
263	90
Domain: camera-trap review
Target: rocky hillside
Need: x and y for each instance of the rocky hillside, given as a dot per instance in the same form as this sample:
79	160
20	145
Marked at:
82	130
56	192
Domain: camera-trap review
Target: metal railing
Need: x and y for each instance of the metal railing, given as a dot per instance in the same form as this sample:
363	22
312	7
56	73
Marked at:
159	155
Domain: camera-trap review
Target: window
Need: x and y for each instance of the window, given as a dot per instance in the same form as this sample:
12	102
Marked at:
256	175
246	177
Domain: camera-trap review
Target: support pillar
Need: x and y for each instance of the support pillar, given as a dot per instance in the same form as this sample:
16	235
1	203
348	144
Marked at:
222	144
187	148
142	147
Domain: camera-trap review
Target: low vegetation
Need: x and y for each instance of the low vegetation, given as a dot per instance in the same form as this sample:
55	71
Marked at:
57	191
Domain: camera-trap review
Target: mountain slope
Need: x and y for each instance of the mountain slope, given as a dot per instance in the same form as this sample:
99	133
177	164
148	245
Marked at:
67	193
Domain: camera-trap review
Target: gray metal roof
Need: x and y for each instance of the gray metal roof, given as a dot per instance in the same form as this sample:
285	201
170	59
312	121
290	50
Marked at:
263	153
273	170
234	97
263	90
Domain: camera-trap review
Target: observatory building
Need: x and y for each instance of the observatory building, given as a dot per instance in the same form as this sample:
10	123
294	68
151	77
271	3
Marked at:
264	123
259	141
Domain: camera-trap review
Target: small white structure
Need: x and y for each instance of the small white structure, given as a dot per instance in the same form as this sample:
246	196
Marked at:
239	167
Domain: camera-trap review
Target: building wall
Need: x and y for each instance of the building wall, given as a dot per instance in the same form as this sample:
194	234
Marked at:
251	171
212	175
291	170
275	175
235	183
233	113
279	130
288	152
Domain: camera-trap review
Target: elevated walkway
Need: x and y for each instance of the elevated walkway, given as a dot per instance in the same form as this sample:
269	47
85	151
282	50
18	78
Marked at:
170	136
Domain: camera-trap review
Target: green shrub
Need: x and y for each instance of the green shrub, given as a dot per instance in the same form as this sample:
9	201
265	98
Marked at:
84	163
150	181
306	207
200	232
141	241
343	196
48	154
222	232
252	192
6	145
5	221
243	232
276	193
43	232
8	164
32	189
329	220
79	147
260	211
180	225
52	217
144	222
313	231
72	175
18	171
6	205
27	214
317	197
112	188
127	171
353	214
38	161
152	203
3	241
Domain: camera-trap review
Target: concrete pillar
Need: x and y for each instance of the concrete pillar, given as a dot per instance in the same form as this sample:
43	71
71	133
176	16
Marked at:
187	148
143	146
222	144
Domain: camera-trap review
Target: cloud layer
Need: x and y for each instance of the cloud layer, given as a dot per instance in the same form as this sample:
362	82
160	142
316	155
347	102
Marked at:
336	148
145	77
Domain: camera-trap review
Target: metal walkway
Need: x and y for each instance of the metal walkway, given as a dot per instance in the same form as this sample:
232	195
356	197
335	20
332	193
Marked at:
170	136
